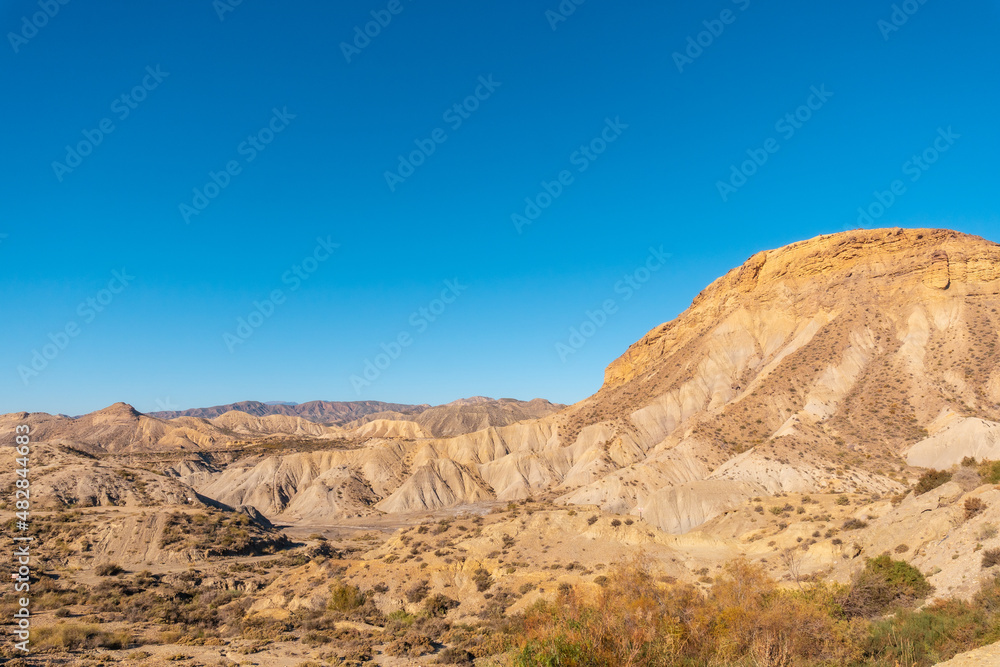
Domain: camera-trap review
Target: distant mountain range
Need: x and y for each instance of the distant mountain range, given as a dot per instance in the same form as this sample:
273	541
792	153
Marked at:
462	416
323	412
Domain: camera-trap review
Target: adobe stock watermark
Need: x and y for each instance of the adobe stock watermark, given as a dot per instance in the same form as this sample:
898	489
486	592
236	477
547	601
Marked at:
627	287
223	7
900	16
788	125
914	168
581	158
294	277
166	405
248	149
562	13
121	107
87	310
31	25
697	44
455	116
363	35
419	321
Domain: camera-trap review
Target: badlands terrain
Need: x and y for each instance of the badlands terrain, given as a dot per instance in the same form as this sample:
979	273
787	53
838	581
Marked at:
822	411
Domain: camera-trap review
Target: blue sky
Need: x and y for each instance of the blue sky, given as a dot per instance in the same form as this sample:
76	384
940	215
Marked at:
641	138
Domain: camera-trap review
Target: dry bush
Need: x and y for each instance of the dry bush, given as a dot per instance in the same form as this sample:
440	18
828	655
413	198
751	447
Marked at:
220	534
637	620
108	570
439	605
418	591
482	579
991	557
967	478
455	656
74	637
973	506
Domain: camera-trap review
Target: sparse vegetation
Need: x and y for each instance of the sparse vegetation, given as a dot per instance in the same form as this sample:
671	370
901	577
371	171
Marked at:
418	591
884	583
989	471
219	534
991	557
745	619
973	506
108	570
931	480
78	636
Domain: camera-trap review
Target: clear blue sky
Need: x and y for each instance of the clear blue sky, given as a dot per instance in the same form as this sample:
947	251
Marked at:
212	83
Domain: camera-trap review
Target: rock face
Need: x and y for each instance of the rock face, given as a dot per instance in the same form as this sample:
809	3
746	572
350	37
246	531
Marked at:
824	366
855	347
892	263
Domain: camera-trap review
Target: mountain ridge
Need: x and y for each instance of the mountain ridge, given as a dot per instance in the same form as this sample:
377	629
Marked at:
835	364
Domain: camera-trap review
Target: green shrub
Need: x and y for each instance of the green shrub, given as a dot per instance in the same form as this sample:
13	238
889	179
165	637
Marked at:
884	583
990	472
933	634
345	598
931	480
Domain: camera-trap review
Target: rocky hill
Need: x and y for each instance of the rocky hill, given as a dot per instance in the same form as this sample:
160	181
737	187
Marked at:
118	428
829	365
837	364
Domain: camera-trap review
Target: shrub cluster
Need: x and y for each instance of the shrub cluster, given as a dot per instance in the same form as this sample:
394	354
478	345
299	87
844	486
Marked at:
744	618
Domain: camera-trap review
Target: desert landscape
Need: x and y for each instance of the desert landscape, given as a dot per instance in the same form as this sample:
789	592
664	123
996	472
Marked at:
803	468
